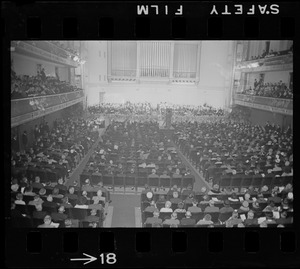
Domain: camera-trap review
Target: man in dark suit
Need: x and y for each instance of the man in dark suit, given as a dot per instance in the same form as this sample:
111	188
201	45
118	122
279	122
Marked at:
47	223
154	219
49	203
188	220
59	216
92	217
60	184
37	183
39	213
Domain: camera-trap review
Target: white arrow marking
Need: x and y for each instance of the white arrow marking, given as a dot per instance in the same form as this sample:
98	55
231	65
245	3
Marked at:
90	259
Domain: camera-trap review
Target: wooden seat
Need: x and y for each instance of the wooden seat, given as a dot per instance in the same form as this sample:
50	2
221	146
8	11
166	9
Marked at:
246	181
187	181
96	179
198	216
224	216
141	181
177	182
236	182
119	181
225	182
22	209
165	182
108	180
79	213
153	182
130	181
22	222
286	180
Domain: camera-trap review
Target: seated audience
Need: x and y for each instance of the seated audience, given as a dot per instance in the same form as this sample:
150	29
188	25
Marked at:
173	220
154	219
188	220
206	220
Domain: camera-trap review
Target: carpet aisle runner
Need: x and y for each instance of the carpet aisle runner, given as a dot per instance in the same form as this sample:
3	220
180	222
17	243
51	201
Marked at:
124	209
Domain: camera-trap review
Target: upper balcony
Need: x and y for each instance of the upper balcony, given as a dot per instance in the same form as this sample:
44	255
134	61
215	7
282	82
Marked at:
27	109
45	50
276	105
273	63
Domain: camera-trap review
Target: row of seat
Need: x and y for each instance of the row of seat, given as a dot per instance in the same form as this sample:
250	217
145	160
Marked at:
73	202
256	182
200	196
234	205
216	217
135	181
73	213
218	225
28	222
49	191
44	175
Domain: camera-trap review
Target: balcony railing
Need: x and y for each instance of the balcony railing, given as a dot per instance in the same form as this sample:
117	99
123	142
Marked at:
148	72
184	74
44	50
281	62
123	73
277	105
23	110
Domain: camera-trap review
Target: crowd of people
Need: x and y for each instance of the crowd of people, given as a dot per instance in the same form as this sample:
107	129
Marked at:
142	151
213	208
271	53
144	111
39	172
39	85
274	90
240	145
137	150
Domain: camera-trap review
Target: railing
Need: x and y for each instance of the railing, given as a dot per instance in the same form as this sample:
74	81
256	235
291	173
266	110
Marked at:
41	49
278	105
147	72
29	105
283	56
184	74
281	62
123	73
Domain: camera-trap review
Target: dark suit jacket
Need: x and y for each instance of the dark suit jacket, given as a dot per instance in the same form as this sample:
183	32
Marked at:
58	216
39	214
187	222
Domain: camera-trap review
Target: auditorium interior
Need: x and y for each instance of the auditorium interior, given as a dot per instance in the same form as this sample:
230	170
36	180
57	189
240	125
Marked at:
158	133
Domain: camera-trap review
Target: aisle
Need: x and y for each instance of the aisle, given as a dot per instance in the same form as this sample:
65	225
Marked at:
76	173
199	180
124	212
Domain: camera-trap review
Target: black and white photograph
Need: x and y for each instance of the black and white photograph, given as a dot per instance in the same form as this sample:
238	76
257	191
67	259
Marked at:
151	133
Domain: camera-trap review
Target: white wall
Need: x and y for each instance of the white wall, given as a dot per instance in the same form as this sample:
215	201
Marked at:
97	61
277	76
24	65
214	71
213	64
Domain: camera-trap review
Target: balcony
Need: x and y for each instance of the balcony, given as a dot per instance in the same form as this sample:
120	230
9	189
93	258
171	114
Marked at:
275	63
27	109
45	51
276	105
